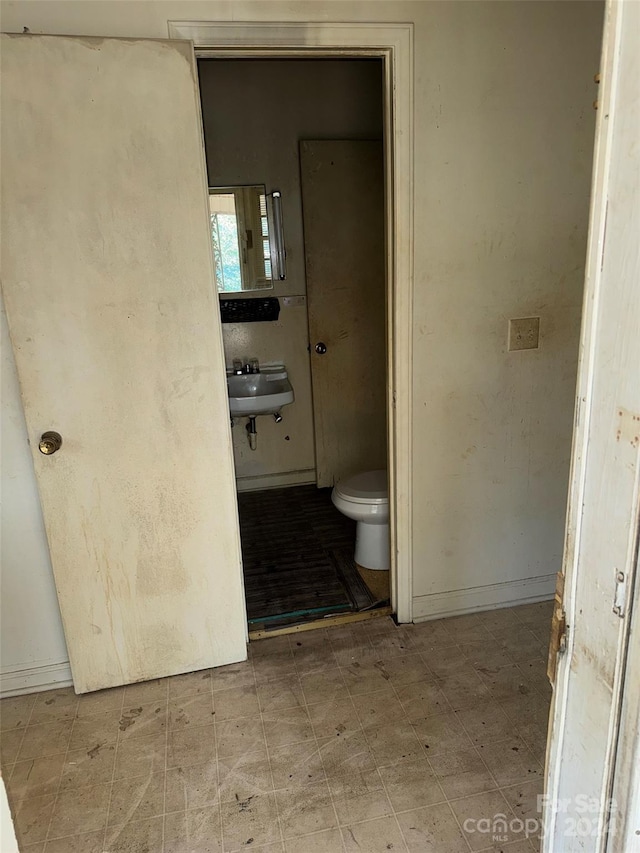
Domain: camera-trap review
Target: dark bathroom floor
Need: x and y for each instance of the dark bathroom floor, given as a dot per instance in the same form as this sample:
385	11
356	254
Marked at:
297	551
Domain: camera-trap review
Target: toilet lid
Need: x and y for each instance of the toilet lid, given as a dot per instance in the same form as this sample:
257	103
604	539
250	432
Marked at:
370	487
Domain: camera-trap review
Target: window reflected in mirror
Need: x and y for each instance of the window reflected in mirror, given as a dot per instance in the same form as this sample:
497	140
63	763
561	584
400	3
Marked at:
243	238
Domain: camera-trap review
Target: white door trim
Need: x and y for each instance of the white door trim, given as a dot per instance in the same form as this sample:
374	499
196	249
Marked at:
393	43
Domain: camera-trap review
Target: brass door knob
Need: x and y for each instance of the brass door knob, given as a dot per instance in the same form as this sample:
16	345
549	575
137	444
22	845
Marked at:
49	443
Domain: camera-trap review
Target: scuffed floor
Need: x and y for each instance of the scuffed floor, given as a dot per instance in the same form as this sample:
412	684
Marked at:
361	738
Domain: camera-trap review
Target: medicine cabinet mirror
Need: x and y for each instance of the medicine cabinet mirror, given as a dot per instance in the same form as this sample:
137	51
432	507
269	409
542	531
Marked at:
247	237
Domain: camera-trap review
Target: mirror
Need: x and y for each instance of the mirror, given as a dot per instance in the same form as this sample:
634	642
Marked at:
246	233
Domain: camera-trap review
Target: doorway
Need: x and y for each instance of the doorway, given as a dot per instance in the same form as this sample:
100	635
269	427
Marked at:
393	45
311	132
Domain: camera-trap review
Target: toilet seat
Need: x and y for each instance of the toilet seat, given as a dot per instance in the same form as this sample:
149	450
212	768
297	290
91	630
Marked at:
369	487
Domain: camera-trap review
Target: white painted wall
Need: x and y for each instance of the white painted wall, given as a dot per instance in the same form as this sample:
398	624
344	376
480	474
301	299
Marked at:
504	137
286	101
503	145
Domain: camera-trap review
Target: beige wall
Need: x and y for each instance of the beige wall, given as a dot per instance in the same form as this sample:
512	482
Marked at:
504	138
503	145
255	113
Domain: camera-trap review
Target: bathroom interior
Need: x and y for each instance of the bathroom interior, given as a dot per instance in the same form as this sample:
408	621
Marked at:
294	149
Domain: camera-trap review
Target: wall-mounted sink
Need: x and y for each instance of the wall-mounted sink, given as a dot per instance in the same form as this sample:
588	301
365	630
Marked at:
263	393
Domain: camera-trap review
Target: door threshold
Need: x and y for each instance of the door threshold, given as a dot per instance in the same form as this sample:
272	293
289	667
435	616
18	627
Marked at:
326	622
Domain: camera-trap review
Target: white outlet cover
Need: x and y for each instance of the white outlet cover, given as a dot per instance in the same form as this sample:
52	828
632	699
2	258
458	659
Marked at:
293	301
524	333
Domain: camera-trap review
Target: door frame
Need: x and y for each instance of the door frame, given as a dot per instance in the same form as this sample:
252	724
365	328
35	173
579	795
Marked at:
393	44
602	596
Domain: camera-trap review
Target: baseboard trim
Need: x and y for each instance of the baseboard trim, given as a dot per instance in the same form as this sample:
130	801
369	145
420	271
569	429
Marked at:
35	679
459	601
276	481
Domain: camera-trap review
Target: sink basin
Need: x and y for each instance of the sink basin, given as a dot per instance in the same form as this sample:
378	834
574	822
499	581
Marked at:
263	393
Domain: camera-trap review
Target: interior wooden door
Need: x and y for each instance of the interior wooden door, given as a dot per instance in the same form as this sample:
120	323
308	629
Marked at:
109	287
343	209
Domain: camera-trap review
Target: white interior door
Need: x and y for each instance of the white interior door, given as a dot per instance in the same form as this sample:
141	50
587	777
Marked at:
602	528
109	288
344	240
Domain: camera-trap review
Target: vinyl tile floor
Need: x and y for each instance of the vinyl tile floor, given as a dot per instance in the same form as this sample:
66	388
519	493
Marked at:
426	738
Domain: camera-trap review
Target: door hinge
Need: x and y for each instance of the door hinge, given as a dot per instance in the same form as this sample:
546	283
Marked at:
620	595
559	629
596	79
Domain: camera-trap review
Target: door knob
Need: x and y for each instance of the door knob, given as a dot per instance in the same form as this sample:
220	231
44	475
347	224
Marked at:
321	348
49	443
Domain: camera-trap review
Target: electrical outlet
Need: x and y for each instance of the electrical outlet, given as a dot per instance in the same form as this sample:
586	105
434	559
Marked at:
293	301
524	333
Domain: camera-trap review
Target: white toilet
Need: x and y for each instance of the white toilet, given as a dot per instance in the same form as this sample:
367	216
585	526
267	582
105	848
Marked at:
365	498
